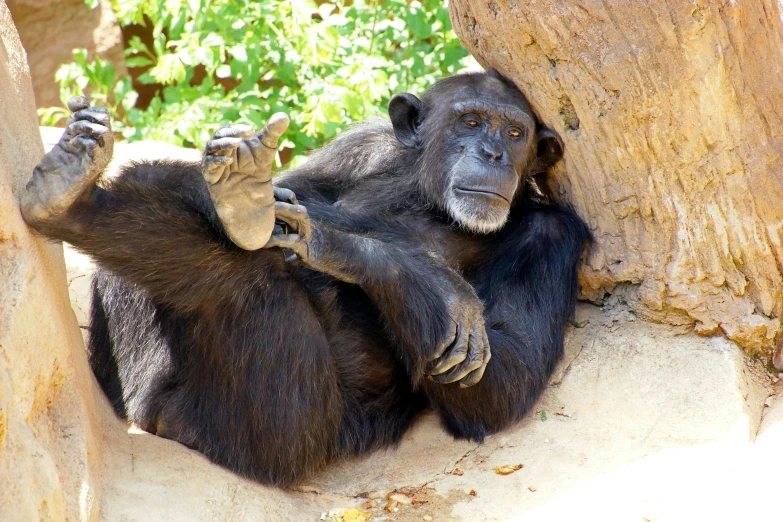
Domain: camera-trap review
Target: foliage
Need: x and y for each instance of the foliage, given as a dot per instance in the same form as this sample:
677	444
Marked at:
217	61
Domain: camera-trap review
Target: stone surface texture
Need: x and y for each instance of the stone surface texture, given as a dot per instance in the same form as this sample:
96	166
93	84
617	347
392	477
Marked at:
671	115
50	445
51	29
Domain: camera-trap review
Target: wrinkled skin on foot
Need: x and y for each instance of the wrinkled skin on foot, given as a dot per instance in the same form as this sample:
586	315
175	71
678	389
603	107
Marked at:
237	167
67	173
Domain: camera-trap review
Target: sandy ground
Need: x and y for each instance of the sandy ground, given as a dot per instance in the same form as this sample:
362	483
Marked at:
640	423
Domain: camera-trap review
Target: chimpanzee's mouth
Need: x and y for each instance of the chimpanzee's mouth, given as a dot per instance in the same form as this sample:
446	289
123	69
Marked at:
482	191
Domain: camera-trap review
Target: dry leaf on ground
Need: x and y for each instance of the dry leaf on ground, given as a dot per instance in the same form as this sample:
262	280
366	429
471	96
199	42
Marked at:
346	515
507	469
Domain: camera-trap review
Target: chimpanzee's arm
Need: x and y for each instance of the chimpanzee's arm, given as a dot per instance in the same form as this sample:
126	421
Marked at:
429	309
530	293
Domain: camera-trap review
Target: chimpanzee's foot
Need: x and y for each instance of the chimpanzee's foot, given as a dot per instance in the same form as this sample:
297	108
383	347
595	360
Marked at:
237	166
68	172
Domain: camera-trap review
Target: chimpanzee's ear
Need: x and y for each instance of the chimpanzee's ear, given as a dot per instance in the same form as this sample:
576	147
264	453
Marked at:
549	150
406	112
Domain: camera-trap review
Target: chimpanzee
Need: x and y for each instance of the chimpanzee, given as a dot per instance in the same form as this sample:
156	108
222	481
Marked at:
275	328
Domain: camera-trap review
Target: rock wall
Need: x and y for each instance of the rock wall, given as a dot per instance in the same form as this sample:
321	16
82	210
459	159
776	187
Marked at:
673	122
51	29
50	446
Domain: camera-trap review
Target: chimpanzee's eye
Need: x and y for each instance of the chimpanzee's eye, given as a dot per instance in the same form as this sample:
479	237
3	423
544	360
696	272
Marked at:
471	121
514	132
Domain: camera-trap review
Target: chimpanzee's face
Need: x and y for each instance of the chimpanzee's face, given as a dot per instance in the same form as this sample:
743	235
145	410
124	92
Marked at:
491	141
478	138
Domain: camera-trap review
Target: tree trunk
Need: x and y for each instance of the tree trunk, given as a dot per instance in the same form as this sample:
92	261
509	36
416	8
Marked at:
671	115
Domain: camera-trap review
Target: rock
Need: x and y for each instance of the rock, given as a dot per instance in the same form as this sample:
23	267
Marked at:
644	407
51	29
51	448
754	332
673	127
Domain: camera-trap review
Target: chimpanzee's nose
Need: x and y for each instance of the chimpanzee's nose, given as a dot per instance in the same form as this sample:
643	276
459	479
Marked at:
491	151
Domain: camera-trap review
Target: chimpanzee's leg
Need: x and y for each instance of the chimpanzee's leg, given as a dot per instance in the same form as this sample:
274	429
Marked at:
217	347
254	387
130	348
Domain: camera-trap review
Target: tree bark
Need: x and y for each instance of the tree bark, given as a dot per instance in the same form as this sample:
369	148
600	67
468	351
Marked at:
671	115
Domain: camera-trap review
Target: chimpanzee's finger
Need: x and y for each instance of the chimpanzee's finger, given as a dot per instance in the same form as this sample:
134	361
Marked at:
234	131
471	362
294	215
475	376
453	375
290	241
274	128
213	167
78	103
284	194
87	127
94	115
263	146
455	355
93	130
451	338
216	160
475	355
222	146
84	141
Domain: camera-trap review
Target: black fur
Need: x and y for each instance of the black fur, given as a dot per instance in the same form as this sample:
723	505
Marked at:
273	369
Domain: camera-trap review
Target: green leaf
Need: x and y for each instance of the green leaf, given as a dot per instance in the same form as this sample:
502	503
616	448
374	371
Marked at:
138	61
52	116
326	63
416	21
168	70
353	104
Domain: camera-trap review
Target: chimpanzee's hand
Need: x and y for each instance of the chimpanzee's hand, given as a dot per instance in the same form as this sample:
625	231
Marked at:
237	166
293	229
68	172
464	353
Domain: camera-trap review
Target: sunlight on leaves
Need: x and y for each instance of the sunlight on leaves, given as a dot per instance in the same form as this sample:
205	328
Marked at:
208	62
